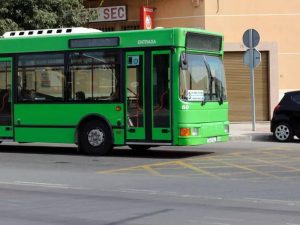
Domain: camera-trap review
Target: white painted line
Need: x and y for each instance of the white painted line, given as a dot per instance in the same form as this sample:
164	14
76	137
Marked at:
38	184
273	201
223	219
166	193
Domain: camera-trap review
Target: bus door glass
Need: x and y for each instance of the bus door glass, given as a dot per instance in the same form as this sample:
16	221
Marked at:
161	94
135	126
6	98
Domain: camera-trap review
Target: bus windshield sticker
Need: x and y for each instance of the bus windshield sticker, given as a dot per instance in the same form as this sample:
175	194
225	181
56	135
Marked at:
195	95
133	60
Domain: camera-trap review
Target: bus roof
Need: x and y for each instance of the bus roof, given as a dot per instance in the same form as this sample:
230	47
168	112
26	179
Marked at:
126	39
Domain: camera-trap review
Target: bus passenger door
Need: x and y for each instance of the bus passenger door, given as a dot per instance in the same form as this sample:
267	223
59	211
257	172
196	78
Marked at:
160	104
6	130
135	125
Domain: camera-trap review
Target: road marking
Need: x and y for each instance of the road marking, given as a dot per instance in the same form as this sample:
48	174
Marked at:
223	219
273	201
37	184
282	156
217	223
244	168
292	169
151	170
166	193
143	167
244	162
269	149
196	169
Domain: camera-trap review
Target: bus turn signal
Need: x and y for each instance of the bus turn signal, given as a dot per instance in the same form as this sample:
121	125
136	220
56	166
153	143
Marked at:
185	132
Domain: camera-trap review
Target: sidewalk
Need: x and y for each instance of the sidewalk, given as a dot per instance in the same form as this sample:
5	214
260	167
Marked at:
243	131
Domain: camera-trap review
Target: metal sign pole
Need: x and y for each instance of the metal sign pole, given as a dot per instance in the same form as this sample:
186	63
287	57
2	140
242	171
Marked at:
252	80
252	58
253	98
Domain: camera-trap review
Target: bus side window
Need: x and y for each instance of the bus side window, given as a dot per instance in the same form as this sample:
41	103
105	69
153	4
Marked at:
94	76
41	77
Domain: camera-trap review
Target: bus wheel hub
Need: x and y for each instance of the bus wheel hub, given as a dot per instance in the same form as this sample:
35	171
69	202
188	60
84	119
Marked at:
95	137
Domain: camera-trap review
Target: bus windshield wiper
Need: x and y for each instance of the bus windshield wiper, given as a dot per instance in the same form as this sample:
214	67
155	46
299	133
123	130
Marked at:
204	101
211	80
210	77
221	99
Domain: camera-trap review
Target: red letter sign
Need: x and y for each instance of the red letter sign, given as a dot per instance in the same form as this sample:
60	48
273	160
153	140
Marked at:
146	17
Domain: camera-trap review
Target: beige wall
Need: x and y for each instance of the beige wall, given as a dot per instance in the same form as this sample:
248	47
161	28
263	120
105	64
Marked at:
169	13
277	21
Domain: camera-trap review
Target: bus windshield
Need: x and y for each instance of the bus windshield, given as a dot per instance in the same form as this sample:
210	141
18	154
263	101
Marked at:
203	79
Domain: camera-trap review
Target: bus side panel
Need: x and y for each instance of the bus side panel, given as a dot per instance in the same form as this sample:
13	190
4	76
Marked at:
57	122
41	134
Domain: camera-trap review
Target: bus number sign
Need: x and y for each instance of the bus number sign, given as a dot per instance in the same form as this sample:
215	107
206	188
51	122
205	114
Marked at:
185	107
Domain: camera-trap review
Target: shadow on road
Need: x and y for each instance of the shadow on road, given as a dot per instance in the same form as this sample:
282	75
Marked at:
268	137
264	137
26	149
156	152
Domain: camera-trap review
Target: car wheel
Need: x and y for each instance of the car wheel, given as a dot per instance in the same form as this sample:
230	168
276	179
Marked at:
283	132
95	138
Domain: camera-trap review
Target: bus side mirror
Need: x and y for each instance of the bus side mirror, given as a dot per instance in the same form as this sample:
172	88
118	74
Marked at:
183	62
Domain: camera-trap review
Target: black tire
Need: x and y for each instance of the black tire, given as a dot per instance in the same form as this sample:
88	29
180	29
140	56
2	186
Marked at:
95	138
139	148
283	132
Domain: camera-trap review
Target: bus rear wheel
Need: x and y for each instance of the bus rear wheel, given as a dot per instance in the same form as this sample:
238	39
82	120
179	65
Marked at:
95	138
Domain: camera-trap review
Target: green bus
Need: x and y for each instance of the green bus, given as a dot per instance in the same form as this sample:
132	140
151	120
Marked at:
96	89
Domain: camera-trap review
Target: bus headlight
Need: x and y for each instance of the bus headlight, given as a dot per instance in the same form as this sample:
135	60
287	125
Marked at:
195	131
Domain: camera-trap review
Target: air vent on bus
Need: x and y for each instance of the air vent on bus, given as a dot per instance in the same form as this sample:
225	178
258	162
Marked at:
28	33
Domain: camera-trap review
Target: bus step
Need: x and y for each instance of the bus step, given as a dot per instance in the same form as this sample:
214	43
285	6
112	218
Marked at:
6	140
149	143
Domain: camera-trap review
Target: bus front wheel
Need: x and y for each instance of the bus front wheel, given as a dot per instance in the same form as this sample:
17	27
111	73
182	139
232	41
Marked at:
95	138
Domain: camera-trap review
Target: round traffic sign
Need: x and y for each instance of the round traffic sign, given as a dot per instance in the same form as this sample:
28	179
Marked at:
252	58
251	38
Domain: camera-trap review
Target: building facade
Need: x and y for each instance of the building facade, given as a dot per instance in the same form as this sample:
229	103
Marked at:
276	21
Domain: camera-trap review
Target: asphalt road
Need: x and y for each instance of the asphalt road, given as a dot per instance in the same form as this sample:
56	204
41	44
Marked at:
235	183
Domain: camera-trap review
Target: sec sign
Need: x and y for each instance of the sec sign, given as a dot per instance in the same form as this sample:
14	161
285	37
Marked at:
106	14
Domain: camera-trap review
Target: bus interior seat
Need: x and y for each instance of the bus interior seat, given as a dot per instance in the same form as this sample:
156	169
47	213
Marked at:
80	96
4	100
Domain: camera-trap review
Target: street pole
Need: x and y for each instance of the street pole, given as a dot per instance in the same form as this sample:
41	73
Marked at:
252	80
253	98
252	58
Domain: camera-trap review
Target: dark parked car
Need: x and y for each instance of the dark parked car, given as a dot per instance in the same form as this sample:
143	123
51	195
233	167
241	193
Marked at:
285	123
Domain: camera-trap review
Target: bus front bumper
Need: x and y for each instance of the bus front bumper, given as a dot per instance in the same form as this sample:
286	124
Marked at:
206	133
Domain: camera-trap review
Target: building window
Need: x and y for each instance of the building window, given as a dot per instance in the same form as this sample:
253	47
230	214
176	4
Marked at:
106	29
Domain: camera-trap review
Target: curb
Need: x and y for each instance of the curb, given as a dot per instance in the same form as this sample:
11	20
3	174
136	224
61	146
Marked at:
252	137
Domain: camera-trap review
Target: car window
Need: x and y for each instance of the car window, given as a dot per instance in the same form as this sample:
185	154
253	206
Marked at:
296	98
